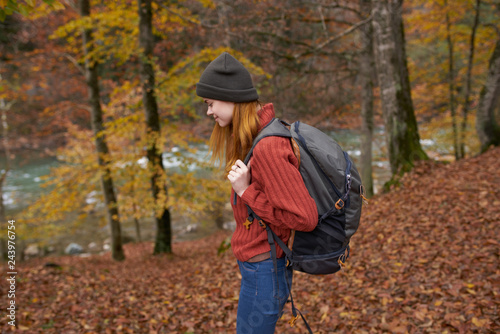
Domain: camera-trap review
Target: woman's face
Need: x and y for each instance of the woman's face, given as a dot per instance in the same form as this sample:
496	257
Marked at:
222	111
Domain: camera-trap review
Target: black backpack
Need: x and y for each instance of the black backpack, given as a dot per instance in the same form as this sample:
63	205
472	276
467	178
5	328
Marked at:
335	185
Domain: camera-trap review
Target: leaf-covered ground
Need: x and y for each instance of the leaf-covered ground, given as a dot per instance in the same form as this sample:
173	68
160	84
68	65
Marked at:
424	260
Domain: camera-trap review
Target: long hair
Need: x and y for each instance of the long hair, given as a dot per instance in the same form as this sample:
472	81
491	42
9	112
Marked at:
234	141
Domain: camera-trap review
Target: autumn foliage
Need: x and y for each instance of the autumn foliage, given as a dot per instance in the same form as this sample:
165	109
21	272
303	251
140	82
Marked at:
424	260
426	256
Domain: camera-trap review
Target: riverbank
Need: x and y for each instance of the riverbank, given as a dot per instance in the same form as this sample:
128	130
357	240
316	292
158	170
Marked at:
425	259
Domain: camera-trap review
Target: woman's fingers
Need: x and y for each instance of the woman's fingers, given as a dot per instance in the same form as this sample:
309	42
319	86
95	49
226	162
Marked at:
241	164
239	175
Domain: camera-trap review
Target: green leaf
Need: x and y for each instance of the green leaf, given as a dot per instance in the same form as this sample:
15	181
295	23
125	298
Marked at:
224	246
24	10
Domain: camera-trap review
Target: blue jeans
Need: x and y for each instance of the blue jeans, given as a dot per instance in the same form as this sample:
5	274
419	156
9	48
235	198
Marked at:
261	302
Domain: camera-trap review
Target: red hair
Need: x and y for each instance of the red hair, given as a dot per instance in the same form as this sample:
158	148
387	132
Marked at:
234	141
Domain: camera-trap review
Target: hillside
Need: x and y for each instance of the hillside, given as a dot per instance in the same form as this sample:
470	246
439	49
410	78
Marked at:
424	260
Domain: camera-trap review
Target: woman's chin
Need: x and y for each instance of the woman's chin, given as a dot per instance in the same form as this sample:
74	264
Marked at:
222	124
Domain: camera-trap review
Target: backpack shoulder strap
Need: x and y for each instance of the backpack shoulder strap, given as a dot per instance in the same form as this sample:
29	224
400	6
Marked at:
275	128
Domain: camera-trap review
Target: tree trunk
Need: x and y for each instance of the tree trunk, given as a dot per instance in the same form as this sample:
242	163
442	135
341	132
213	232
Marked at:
137	229
91	77
451	84
4	107
468	80
3	224
134	210
403	141
223	14
218	215
366	74
163	242
487	126
137	224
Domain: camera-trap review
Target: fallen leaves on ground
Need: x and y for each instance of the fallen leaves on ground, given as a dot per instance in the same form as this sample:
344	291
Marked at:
424	260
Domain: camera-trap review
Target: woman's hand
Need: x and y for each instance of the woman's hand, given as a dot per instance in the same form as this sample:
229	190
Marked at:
240	177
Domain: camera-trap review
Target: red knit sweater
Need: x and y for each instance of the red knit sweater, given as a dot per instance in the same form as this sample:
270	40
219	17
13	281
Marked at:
277	194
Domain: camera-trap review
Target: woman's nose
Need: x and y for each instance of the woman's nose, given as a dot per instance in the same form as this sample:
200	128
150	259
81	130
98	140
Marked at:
209	111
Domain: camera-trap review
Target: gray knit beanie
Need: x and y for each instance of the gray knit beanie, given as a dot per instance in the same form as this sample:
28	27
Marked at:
226	79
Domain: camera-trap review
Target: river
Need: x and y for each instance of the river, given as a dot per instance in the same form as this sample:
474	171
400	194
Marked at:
23	182
23	187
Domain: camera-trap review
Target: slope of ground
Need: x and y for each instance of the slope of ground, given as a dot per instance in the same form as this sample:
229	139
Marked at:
424	260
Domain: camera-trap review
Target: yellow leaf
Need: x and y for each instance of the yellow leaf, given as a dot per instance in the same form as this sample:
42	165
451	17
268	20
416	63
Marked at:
438	303
57	5
479	323
344	314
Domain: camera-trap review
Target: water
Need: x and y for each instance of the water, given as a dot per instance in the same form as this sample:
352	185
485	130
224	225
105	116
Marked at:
23	181
22	185
350	141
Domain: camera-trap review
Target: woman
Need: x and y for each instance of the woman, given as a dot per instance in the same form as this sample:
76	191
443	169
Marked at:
270	185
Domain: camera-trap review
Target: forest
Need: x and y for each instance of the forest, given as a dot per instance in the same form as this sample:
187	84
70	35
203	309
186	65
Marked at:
104	144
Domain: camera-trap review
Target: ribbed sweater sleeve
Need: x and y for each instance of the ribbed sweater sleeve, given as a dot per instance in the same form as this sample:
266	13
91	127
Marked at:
277	193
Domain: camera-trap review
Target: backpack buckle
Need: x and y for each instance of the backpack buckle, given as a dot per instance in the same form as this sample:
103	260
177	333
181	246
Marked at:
343	258
362	194
262	224
293	320
341	261
340	204
248	222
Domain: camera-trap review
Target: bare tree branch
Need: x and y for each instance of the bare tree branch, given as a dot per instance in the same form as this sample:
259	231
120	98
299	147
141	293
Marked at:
323	24
334	5
282	38
72	60
336	37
